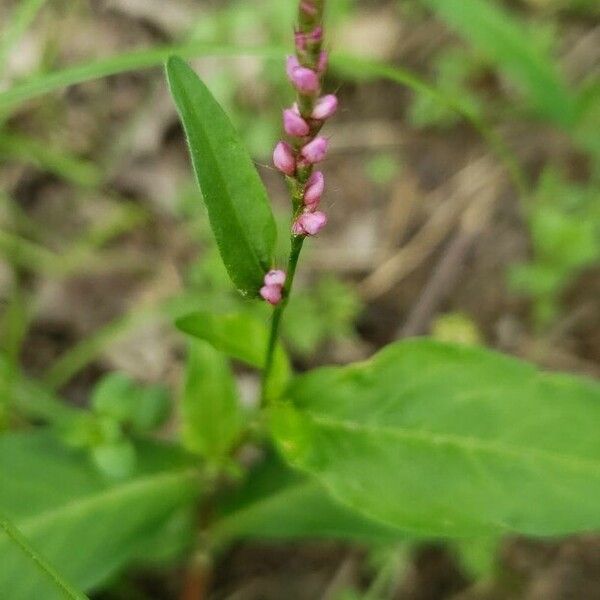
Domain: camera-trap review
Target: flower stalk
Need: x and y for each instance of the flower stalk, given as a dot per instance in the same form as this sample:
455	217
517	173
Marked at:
296	158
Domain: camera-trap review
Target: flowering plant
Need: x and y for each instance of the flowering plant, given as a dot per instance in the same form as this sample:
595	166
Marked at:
426	438
423	440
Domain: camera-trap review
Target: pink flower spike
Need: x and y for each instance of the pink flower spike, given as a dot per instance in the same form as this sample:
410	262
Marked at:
309	223
323	62
283	158
294	124
271	293
325	107
315	151
305	80
275	277
315	186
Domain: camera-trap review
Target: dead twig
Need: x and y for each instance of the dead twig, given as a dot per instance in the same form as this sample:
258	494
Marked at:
447	272
452	198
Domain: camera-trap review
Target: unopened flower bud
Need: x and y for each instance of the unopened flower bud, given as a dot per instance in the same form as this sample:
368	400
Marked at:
305	80
315	186
294	124
284	159
316	35
291	65
325	107
271	293
323	62
308	8
309	223
315	151
275	277
300	41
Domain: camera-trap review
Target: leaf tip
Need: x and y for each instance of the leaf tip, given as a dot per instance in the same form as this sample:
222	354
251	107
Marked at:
183	324
173	61
175	66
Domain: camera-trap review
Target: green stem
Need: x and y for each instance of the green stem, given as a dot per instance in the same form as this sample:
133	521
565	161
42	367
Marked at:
296	247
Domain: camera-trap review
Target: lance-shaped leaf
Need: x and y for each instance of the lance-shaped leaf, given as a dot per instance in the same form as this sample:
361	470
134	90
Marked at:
211	412
235	197
445	440
86	526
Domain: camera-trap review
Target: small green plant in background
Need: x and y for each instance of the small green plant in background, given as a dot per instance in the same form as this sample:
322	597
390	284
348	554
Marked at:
456	72
120	409
428	439
562	215
564	221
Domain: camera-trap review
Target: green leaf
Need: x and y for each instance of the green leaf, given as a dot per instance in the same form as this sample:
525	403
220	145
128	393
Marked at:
115	396
143	408
239	336
498	35
238	207
449	440
116	459
87	526
24	574
212	417
279	504
152	409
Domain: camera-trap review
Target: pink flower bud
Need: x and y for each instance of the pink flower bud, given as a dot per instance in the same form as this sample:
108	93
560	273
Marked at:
305	80
325	107
315	186
323	62
300	41
271	293
275	277
316	35
291	65
309	223
307	7
315	151
294	124
284	159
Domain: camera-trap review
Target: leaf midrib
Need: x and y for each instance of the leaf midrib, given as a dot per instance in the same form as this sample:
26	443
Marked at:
28	525
463	443
40	564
